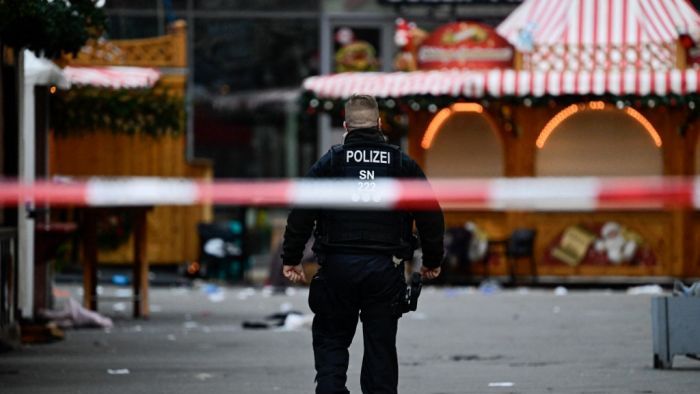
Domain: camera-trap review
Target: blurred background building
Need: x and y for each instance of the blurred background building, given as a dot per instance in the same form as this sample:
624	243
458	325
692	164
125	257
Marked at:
249	58
247	62
251	117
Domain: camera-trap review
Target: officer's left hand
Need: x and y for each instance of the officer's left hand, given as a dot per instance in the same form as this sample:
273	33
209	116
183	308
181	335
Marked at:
295	273
430	273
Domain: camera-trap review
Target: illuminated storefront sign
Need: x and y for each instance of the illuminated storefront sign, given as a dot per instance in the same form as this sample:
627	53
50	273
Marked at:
465	45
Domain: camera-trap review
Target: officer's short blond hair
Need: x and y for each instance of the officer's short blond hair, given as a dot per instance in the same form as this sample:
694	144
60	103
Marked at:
361	111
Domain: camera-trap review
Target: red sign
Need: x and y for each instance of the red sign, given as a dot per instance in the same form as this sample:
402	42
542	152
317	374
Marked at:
467	45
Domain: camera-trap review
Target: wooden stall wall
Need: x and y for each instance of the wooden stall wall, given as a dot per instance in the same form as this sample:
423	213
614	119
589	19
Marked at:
172	231
672	233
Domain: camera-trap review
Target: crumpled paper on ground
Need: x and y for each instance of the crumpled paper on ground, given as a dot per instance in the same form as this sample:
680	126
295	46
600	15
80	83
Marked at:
75	315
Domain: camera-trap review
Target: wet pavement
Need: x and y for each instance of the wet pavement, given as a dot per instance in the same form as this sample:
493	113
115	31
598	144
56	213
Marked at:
460	341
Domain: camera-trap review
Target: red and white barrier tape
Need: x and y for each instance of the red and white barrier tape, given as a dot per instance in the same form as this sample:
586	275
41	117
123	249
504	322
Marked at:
496	194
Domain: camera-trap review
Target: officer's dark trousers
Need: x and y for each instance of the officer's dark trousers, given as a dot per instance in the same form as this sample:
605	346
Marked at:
347	286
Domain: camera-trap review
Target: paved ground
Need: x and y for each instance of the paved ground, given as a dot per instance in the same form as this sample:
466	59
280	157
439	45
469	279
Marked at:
461	341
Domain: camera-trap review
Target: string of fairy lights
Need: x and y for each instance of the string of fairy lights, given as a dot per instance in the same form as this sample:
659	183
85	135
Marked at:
564	105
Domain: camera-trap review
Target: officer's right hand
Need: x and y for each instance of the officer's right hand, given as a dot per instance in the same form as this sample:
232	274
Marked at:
295	273
430	273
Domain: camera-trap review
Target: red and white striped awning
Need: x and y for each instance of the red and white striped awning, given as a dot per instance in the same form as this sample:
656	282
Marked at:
113	77
500	83
600	34
601	22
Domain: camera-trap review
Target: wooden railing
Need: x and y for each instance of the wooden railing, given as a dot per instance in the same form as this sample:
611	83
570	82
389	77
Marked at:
169	50
560	57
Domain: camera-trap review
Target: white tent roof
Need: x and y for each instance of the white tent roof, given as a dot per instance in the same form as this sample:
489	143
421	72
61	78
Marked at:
41	71
601	22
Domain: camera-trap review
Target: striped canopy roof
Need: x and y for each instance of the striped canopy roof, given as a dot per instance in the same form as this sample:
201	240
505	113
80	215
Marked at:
580	47
601	22
504	83
115	77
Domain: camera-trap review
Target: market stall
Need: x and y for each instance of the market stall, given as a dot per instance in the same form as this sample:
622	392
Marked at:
581	88
125	116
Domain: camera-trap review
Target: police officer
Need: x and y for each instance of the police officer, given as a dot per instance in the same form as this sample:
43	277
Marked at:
360	255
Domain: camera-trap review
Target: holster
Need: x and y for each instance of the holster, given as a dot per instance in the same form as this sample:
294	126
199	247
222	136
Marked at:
408	301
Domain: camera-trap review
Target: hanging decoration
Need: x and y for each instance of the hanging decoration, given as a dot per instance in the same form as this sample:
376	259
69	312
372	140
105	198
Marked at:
354	55
408	38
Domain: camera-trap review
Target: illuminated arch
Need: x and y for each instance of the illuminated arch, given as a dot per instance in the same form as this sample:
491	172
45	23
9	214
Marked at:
441	117
594	106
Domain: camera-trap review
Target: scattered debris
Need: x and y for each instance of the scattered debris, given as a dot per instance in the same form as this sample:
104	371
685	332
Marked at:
533	364
121	371
41	333
501	384
646	289
255	325
680	289
560	291
120	279
179	291
171	337
217	297
288	321
60	293
451	292
474	357
246	293
522	291
556	310
489	286
119	307
189	325
214	293
296	321
203	376
126	293
267	291
75	315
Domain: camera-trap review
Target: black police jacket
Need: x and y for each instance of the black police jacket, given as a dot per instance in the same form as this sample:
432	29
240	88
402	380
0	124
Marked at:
302	222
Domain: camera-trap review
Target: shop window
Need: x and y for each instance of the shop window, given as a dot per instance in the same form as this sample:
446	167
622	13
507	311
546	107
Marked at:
231	55
130	27
464	146
599	141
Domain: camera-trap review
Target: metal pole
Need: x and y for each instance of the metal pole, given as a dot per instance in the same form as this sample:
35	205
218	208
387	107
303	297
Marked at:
27	175
189	88
161	17
292	137
326	54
